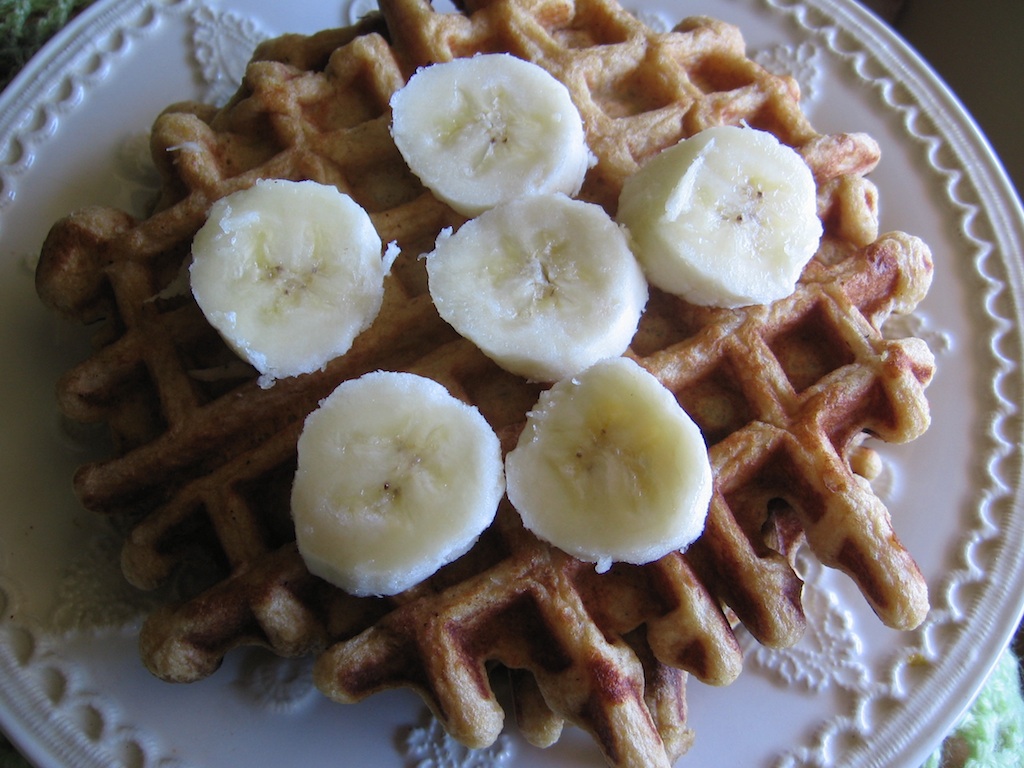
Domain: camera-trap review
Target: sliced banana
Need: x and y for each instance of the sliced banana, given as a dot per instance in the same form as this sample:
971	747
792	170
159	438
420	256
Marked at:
544	285
725	218
489	128
289	273
395	479
609	468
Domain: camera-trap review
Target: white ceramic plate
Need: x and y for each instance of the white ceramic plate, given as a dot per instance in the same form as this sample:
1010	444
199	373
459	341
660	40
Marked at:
72	132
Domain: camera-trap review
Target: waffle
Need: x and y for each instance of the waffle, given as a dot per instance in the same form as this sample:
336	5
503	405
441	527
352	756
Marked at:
785	394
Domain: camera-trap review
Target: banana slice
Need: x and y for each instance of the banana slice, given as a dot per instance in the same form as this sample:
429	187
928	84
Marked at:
609	468
544	285
486	129
289	273
725	218
395	479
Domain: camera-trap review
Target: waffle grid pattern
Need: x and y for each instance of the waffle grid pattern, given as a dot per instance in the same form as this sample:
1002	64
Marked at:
785	394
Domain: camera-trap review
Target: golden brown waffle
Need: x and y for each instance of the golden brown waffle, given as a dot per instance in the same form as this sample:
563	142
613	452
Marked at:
785	394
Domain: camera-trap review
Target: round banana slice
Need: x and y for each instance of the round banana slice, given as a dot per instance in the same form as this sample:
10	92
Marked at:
482	130
726	218
544	285
289	273
395	479
610	468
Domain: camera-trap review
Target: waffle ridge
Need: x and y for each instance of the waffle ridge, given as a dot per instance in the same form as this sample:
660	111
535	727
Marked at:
785	394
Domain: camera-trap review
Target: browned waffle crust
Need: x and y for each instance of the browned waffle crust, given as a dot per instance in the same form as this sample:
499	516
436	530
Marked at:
784	394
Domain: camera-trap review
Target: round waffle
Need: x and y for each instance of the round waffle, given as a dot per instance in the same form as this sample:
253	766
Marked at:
785	394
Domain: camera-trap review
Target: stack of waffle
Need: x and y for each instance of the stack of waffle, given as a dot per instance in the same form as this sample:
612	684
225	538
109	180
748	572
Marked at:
785	393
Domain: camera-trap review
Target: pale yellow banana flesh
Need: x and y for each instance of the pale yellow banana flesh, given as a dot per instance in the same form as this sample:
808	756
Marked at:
609	468
289	273
488	129
395	479
725	218
544	285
